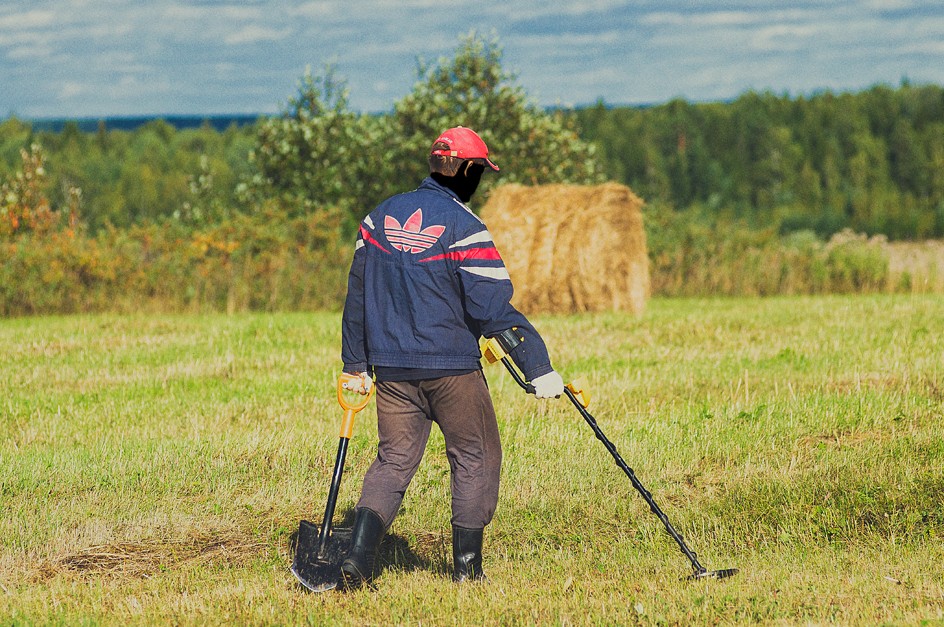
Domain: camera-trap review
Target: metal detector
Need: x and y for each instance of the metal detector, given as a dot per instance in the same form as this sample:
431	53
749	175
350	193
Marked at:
498	348
318	551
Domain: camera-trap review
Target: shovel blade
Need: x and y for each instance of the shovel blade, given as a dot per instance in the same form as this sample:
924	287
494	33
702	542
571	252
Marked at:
318	570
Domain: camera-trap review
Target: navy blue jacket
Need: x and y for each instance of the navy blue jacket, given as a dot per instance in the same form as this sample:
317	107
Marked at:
425	284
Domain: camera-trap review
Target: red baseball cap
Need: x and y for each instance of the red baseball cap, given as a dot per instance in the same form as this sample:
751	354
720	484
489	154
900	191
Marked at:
463	143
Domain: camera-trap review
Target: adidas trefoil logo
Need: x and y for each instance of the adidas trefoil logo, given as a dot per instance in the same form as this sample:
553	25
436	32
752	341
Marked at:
411	237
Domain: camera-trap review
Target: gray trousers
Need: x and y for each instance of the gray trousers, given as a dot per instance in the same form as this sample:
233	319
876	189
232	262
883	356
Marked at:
462	408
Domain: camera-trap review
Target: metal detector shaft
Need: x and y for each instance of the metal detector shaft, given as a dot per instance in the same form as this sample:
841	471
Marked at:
636	483
588	417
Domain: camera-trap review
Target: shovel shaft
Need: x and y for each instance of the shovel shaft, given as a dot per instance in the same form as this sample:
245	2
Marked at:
347	430
332	496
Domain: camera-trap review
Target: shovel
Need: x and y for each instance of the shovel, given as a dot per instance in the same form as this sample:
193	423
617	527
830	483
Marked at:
318	551
498	348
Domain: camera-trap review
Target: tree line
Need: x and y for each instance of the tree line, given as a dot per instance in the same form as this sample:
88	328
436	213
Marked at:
871	161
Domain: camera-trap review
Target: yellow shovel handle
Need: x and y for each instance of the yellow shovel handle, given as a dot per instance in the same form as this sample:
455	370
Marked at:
350	409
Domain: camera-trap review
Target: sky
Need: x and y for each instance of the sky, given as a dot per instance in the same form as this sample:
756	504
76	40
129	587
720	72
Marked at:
108	58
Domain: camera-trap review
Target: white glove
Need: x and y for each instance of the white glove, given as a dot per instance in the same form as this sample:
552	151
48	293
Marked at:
549	385
361	384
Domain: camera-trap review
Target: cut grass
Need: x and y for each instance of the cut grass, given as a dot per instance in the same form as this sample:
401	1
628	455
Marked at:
155	468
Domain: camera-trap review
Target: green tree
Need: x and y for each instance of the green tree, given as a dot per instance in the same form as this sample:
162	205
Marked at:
15	135
531	145
319	154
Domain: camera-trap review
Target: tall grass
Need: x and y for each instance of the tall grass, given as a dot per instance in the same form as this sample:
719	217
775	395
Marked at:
155	468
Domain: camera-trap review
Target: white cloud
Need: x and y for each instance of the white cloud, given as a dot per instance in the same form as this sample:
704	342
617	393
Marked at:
27	20
71	89
894	5
529	11
27	53
784	37
215	13
933	47
24	39
255	34
314	9
717	18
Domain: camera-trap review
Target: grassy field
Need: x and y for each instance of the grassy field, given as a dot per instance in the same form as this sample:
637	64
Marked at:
155	468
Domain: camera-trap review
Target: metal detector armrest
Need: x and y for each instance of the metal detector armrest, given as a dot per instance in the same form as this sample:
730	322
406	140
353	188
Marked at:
500	346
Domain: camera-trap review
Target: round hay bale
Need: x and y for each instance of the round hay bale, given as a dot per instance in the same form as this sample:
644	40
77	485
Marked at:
571	248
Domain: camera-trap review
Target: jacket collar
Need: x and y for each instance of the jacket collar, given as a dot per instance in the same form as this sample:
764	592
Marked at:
431	184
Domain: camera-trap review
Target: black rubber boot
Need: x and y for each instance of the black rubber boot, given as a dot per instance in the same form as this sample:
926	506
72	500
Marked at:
358	567
467	554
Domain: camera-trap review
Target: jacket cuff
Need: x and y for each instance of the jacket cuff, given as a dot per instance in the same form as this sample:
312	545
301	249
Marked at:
537	371
356	368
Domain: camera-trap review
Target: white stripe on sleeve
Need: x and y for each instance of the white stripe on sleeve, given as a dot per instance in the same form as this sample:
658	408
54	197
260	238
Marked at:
500	274
475	238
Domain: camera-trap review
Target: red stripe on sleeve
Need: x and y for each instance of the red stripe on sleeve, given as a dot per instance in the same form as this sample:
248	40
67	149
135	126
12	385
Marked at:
490	253
370	239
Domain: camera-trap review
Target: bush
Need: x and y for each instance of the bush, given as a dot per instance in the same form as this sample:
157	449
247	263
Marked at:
857	264
266	261
692	255
24	207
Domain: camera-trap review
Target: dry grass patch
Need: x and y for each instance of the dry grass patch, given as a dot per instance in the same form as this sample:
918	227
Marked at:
147	557
916	266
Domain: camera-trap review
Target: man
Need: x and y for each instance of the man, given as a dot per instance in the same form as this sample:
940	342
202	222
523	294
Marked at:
425	284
